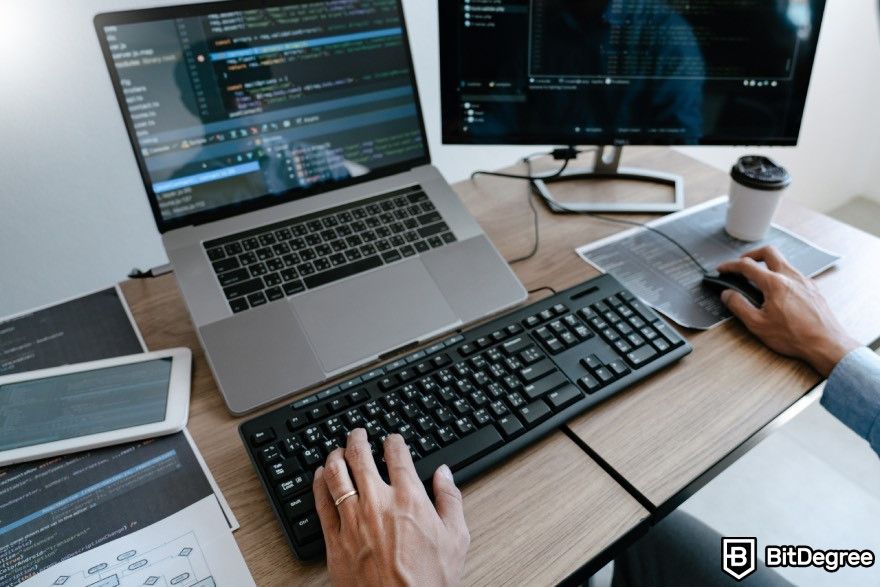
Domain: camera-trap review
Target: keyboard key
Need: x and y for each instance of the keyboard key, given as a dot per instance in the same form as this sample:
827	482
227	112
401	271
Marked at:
293	486
233	277
604	374
342	272
261	437
216	253
241	304
589	383
243	289
434	229
545	385
299	506
461	452
564	397
641	355
536	371
511	426
293	288
591	362
279	471
534	413
307	529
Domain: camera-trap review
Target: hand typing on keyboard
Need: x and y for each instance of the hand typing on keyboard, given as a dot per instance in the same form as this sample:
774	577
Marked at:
388	533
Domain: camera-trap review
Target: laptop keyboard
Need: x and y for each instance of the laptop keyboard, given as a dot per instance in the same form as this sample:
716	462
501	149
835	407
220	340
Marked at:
272	262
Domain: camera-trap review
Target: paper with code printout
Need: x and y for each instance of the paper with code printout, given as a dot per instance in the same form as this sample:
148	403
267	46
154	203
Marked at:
662	275
88	328
62	507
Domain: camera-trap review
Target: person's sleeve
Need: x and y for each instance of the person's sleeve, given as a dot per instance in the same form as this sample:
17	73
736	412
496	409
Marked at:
852	394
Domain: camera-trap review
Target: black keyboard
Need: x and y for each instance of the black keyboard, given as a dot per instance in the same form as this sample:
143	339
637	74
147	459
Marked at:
284	259
468	401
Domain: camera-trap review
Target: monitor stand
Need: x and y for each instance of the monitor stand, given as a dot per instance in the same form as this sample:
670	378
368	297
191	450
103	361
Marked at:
607	166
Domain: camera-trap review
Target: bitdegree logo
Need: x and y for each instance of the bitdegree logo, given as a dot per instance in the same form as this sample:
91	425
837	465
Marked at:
805	556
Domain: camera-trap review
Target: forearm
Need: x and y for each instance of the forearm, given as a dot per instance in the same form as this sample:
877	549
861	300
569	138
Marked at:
852	394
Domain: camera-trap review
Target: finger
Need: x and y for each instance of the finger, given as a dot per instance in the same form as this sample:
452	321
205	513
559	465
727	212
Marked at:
758	274
401	470
741	307
339	483
447	499
363	468
327	512
771	256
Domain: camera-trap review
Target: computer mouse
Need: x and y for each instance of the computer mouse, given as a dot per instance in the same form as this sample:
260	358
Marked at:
737	282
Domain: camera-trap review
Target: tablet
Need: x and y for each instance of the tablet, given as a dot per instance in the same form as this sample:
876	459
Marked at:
89	405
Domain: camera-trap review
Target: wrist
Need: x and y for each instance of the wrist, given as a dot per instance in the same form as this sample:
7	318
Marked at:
829	352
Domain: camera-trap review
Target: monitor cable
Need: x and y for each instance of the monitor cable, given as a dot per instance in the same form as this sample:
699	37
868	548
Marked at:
567	155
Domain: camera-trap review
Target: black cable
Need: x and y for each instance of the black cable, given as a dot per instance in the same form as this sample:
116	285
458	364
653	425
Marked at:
563	208
530	177
567	154
535	219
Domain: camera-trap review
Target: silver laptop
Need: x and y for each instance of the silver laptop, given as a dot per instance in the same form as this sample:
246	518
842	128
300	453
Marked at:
284	156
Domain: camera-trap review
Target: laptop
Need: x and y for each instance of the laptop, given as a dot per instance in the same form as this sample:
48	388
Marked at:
284	156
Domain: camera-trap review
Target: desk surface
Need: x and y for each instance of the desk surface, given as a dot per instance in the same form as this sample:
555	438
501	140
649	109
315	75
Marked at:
518	535
546	512
662	434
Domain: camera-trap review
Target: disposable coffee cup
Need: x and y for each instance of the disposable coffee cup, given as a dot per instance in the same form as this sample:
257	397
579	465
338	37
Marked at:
757	184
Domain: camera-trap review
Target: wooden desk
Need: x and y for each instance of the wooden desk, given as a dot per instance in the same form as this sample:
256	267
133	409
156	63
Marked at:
520	532
544	514
664	433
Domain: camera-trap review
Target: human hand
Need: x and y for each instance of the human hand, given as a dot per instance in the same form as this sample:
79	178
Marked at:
389	534
795	319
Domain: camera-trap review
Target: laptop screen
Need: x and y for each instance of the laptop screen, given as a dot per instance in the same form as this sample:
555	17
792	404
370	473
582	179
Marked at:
231	110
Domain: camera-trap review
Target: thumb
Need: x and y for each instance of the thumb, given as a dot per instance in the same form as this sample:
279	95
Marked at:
447	499
740	307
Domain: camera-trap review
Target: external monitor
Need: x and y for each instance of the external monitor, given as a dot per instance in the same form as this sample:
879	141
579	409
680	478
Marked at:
626	72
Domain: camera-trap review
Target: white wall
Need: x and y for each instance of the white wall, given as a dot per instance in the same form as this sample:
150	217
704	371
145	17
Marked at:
73	215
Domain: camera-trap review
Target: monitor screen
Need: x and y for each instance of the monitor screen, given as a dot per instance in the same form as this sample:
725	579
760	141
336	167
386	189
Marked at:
618	72
79	404
231	108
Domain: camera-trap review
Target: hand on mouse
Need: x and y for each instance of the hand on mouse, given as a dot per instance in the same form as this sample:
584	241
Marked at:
389	534
795	319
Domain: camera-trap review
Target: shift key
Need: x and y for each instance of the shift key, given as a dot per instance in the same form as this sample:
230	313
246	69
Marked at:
244	288
460	453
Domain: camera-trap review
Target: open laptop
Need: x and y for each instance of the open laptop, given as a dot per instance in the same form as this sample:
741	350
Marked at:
284	156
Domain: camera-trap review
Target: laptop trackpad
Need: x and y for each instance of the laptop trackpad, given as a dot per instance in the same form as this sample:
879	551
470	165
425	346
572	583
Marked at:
373	313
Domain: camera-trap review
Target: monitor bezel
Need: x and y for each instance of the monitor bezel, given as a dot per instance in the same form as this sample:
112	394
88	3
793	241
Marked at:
447	18
268	199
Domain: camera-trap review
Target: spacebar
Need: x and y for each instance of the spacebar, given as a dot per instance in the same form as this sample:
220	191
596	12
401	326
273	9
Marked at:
460	453
319	279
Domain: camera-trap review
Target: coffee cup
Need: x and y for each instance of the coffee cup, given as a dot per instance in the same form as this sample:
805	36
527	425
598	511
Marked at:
756	187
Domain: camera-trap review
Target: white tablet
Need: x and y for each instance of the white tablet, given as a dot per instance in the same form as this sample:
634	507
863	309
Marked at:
88	405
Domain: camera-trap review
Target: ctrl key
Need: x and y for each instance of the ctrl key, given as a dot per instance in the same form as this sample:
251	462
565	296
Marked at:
306	529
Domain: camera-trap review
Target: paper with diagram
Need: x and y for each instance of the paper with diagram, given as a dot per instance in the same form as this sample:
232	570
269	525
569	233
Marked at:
191	548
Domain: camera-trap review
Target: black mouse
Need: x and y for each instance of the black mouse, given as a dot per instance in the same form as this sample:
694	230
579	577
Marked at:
737	282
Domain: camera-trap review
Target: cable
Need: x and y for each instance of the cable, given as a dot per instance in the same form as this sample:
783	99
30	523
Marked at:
551	175
567	210
567	154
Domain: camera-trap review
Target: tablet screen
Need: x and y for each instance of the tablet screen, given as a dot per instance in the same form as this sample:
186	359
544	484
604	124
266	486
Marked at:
79	404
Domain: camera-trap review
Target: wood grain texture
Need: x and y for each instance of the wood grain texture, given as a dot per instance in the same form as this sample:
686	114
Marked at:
662	434
534	520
